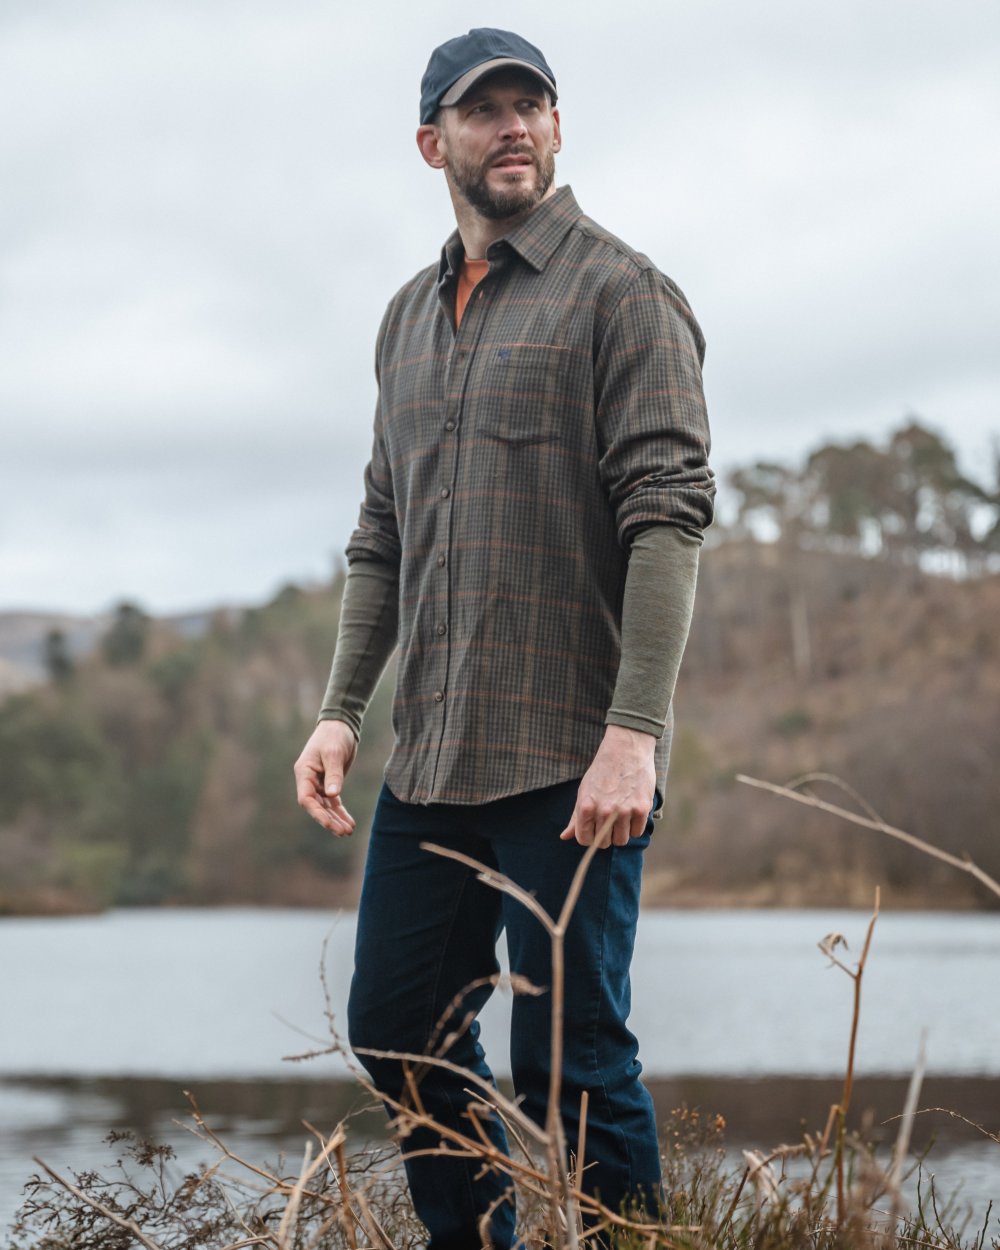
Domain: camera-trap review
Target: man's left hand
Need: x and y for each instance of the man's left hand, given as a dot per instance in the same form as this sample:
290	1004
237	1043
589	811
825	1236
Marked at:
620	783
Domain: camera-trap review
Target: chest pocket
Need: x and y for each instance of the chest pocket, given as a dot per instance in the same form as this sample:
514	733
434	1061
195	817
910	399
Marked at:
525	393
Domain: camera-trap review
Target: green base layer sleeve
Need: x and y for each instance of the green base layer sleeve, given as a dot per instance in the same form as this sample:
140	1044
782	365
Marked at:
366	638
656	617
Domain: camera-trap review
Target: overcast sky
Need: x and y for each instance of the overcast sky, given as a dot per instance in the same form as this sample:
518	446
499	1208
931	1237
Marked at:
205	205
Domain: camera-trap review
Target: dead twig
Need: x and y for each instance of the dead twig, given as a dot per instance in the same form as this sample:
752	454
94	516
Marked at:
809	800
290	1215
856	975
346	1216
493	1095
496	879
553	1118
563	1207
581	1137
122	1222
955	1115
895	1174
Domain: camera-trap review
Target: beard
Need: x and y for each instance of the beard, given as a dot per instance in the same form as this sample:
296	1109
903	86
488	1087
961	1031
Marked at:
470	181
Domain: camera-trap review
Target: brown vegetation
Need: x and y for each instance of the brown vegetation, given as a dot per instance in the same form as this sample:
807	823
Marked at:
803	661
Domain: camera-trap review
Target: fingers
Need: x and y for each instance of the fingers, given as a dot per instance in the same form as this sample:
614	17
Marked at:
621	829
339	820
587	825
325	808
319	777
610	828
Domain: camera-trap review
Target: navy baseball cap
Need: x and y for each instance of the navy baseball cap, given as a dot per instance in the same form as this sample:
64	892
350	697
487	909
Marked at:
460	62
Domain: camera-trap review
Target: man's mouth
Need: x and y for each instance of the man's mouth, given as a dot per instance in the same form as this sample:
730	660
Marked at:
517	160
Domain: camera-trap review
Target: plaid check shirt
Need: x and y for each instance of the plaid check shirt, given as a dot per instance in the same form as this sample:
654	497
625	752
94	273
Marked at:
512	462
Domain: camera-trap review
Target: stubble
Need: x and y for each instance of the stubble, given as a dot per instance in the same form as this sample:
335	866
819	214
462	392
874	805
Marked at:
471	183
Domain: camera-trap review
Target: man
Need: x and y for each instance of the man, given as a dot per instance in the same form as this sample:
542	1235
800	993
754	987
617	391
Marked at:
529	535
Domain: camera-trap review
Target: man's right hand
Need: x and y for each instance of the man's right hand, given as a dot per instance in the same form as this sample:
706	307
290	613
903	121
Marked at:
319	775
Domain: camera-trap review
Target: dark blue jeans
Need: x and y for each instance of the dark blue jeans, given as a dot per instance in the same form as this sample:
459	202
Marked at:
427	931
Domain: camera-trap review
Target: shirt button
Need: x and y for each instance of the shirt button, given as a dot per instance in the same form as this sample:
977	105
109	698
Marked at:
442	629
449	425
445	492
441	562
438	696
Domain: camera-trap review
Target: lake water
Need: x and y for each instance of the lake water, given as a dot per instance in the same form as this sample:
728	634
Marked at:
107	1018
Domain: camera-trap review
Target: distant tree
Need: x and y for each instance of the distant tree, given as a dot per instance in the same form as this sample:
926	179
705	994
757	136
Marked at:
990	543
58	660
937	501
902	501
125	640
846	492
767	498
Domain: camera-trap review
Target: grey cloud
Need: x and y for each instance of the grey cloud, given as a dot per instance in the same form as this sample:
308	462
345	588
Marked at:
206	208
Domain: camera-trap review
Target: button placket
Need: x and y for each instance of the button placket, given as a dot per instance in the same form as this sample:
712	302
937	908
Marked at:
456	376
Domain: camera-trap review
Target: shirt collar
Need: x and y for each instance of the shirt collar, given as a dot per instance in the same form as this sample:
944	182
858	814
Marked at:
535	239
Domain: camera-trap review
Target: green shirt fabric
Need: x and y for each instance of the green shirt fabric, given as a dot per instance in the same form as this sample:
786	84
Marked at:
656	616
518	467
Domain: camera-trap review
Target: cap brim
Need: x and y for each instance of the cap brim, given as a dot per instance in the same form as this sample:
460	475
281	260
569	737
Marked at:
472	76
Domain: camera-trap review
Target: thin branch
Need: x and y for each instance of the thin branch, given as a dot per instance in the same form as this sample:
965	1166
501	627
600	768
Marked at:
370	1224
581	1136
895	1174
832	779
582	868
494	980
492	1093
955	1115
345	1197
856	1014
491	876
809	800
553	1118
290	1215
214	1139
129	1225
845	1100
276	1184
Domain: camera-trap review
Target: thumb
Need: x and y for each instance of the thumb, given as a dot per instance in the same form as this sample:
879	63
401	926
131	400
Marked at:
333	777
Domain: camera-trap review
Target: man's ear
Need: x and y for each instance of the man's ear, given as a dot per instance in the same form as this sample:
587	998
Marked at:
429	141
556	131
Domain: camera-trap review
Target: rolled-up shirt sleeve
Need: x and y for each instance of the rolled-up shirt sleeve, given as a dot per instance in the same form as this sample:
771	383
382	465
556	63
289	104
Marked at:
651	415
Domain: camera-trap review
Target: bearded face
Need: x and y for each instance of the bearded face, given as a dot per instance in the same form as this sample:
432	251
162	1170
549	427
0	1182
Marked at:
498	144
501	191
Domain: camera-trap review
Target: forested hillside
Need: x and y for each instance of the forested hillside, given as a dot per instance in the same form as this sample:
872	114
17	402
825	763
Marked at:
158	768
803	661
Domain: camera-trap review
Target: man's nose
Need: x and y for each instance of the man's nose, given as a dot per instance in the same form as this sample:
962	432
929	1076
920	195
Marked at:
512	125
